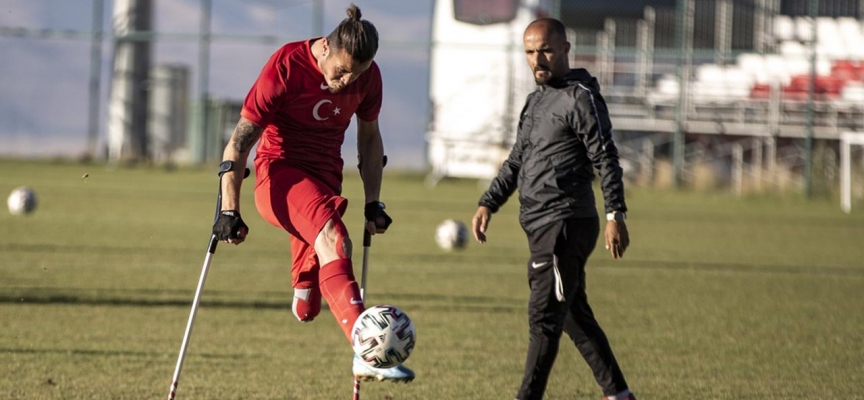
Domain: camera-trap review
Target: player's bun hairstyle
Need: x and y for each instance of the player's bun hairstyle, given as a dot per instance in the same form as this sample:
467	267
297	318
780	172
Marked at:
357	37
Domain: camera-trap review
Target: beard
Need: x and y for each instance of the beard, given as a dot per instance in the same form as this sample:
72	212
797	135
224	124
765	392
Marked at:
544	78
334	90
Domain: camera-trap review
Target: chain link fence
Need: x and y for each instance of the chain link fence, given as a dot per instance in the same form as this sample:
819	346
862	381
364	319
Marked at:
747	94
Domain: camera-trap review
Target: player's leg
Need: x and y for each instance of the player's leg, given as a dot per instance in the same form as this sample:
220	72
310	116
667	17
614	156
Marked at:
336	277
290	199
304	275
547	307
311	212
339	287
581	325
274	183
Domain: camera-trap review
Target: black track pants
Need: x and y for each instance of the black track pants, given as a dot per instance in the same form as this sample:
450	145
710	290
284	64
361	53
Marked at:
558	302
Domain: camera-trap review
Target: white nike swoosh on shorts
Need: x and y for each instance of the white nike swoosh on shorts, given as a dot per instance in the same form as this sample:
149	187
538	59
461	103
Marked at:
539	265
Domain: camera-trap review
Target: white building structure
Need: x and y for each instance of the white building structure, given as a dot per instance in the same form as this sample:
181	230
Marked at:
479	81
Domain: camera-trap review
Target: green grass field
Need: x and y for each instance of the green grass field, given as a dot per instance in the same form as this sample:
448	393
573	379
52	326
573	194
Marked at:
717	298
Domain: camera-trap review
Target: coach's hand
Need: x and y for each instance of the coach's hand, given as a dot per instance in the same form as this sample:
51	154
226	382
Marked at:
617	238
377	220
230	228
480	222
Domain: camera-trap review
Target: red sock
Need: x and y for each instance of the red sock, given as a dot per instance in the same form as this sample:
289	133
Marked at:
306	304
342	293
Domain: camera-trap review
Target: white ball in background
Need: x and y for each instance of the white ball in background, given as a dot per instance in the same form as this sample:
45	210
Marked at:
451	234
21	201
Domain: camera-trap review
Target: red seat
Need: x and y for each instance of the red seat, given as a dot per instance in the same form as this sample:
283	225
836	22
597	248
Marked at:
846	69
760	91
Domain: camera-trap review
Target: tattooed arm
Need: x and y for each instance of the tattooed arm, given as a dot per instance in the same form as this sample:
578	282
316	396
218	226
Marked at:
244	137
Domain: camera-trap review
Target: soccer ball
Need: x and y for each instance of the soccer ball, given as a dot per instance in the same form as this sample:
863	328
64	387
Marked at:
451	234
21	201
383	336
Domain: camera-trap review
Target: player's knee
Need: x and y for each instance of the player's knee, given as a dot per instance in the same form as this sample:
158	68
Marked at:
307	304
333	240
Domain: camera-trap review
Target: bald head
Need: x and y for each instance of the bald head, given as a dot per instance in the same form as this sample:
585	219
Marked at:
548	27
546	49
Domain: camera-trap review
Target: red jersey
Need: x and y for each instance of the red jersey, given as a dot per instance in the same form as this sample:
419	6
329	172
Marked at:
304	124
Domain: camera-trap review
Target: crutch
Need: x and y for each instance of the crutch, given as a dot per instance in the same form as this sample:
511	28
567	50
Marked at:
211	249
367	243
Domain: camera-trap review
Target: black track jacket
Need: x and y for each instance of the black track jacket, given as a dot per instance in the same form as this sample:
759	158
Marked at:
564	133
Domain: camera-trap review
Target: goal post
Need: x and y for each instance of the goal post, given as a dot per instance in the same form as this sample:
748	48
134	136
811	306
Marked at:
847	140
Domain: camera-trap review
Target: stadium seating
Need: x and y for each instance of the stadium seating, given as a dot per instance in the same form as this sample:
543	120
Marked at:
852	93
784	27
839	66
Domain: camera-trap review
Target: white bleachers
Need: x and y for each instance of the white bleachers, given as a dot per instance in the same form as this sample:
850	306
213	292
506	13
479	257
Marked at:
852	37
853	93
709	83
834	50
754	65
838	39
800	65
776	68
803	28
716	83
666	90
784	27
826	27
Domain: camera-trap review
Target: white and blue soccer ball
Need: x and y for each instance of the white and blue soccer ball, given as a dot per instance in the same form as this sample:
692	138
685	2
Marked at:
383	336
21	201
451	234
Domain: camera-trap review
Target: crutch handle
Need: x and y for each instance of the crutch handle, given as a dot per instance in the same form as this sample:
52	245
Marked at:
367	238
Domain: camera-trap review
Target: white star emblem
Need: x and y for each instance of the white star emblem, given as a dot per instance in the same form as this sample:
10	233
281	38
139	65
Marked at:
336	111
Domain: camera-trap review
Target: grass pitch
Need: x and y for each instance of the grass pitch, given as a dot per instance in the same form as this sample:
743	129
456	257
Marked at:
717	298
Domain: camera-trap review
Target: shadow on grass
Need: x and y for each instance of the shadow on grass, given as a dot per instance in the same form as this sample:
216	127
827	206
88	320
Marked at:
468	304
114	353
692	266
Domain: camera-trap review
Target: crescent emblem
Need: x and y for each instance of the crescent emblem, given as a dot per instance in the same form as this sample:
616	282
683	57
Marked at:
317	106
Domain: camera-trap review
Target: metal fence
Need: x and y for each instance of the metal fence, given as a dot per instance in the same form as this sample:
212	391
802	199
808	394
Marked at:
727	72
694	82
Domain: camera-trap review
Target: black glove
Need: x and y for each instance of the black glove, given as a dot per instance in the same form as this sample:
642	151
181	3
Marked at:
375	210
229	225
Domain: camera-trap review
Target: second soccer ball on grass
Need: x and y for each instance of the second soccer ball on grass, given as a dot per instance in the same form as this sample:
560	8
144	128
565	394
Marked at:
21	201
451	234
383	336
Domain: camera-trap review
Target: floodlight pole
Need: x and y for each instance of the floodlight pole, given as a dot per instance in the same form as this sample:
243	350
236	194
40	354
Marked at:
318	19
686	9
811	104
204	39
95	77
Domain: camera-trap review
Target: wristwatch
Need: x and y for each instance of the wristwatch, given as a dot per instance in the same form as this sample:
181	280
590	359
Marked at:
616	216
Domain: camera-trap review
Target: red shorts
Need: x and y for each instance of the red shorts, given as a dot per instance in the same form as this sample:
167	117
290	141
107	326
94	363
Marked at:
295	201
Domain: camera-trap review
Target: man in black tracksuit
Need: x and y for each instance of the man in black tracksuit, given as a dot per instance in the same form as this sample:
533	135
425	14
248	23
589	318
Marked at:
564	133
